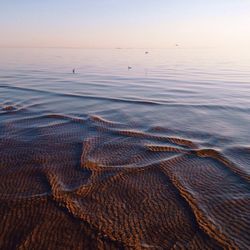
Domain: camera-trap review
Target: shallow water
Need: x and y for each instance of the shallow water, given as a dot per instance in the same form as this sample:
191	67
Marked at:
153	157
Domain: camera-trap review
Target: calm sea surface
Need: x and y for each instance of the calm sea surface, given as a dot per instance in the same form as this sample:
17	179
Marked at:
205	91
153	156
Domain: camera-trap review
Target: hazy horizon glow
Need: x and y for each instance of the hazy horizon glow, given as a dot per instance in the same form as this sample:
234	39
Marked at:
126	24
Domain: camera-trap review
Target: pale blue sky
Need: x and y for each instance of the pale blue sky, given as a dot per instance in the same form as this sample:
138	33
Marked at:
124	23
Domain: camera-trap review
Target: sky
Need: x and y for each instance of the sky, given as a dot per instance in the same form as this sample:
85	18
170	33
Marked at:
124	23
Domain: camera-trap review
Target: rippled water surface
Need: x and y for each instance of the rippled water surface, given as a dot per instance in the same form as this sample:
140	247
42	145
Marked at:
156	156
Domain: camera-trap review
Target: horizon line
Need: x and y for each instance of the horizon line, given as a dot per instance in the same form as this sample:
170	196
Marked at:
103	48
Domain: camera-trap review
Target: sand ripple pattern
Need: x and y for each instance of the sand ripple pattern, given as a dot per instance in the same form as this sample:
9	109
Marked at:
73	183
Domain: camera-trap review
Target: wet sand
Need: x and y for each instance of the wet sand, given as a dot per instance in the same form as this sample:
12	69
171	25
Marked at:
96	184
79	180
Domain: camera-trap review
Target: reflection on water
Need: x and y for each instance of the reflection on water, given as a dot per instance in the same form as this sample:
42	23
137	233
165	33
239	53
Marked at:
153	157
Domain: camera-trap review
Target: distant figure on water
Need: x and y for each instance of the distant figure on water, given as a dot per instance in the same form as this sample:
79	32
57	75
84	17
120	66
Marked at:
146	52
74	71
129	67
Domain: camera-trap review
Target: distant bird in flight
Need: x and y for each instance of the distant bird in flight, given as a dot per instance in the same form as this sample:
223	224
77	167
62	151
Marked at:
74	71
177	45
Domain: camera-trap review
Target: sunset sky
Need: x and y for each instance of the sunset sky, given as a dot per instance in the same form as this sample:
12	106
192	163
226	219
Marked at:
124	23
